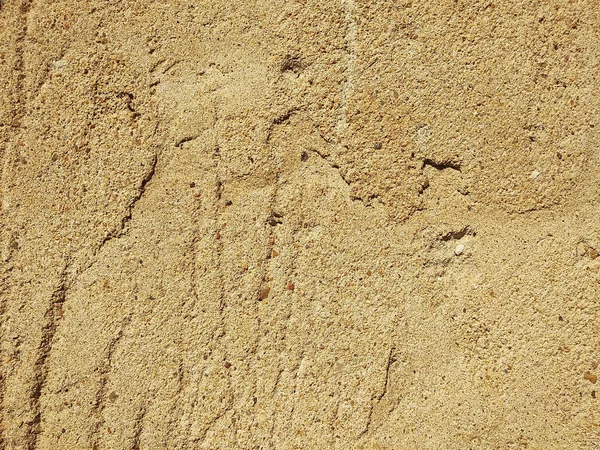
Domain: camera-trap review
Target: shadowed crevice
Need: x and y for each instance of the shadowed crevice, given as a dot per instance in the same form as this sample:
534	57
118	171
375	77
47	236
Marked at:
441	165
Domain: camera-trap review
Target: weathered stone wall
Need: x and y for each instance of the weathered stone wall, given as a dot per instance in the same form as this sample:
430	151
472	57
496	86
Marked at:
299	224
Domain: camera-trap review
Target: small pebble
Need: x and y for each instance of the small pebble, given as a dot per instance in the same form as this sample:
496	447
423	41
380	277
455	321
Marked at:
459	249
534	175
590	377
290	287
377	145
304	157
264	293
227	365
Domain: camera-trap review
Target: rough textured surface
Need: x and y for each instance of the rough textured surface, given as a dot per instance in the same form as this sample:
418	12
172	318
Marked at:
299	224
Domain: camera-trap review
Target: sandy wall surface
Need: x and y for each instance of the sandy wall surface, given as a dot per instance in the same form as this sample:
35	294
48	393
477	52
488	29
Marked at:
299	224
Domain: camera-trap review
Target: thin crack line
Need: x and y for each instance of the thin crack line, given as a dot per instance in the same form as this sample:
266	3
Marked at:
129	211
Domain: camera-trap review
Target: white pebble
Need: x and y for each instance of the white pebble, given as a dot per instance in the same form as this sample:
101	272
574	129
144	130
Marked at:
459	249
534	175
59	64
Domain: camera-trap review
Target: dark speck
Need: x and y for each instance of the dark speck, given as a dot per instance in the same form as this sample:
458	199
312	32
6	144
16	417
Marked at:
275	219
304	157
377	145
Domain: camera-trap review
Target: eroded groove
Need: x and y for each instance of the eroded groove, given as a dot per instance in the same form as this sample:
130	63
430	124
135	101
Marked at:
100	399
194	257
52	318
213	422
19	69
214	228
138	427
218	192
348	86
173	417
177	417
16	112
4	370
377	399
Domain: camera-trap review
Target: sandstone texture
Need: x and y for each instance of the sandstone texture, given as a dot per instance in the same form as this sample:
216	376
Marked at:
298	224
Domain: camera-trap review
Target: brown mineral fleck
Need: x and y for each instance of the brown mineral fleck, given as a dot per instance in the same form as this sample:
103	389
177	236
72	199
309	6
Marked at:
592	378
264	293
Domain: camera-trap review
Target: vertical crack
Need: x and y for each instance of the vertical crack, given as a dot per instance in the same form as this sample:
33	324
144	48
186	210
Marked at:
390	360
138	427
218	193
274	219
